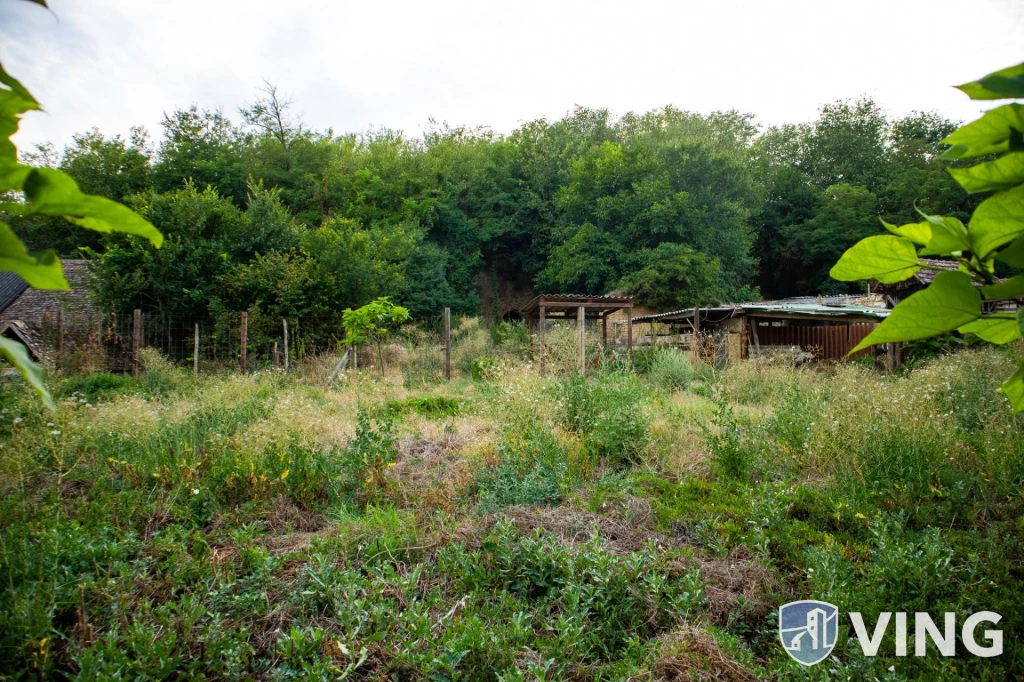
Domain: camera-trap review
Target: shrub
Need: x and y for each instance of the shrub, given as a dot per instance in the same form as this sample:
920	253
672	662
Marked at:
671	370
608	414
99	386
512	337
486	368
730	456
531	469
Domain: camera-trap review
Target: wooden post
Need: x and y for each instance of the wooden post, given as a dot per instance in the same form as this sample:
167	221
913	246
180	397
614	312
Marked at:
245	339
285	323
277	356
60	336
136	341
448	344
753	333
629	335
581	322
195	353
604	329
541	334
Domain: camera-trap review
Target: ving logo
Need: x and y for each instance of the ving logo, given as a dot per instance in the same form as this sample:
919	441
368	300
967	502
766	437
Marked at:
808	630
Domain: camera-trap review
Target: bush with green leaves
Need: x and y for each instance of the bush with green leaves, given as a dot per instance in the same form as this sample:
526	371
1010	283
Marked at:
532	469
671	369
374	323
994	235
608	413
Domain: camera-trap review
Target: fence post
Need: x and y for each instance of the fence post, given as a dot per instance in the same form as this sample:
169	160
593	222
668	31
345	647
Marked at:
448	344
285	322
195	353
277	356
540	361
245	334
60	336
136	341
581	322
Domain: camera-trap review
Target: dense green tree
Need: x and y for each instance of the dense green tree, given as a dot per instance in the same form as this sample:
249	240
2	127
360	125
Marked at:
201	146
674	276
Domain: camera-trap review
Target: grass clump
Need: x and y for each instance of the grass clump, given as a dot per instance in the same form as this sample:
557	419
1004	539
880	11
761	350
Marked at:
431	406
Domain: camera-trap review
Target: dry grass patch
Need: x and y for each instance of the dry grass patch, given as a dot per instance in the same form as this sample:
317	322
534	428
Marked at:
692	655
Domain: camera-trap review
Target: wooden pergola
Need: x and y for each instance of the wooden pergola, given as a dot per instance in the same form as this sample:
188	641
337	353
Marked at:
567	306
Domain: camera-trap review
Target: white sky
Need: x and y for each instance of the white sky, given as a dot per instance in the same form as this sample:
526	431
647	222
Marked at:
352	65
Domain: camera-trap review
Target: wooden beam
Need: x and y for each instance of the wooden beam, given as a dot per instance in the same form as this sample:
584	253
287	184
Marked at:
195	353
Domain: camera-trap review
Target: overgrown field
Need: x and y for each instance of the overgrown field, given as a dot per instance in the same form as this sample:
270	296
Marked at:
506	525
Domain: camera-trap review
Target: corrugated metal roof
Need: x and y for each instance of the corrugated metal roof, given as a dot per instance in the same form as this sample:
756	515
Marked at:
11	286
568	300
811	309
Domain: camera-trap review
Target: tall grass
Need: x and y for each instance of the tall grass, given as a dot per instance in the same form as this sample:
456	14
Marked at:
521	526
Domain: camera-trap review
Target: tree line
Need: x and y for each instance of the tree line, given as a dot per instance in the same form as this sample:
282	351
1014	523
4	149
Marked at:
677	208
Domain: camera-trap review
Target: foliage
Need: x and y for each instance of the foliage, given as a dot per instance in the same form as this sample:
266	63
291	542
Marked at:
608	414
251	527
532	469
51	193
671	370
373	323
674	276
995	232
434	406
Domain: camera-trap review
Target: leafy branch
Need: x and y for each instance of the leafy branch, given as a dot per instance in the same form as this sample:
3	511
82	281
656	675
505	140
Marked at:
995	232
45	191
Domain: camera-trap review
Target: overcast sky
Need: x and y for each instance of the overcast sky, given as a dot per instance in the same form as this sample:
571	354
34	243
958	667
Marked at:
353	65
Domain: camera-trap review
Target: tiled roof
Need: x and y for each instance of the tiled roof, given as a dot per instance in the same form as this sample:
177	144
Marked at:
31	304
11	287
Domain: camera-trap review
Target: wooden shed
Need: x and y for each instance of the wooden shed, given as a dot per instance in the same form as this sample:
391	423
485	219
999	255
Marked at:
818	330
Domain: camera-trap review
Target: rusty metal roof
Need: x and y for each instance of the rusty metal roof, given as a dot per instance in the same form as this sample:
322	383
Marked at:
564	301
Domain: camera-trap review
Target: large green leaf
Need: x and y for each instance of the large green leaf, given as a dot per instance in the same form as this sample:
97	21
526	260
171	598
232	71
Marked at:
1011	288
1013	388
997	221
17	355
990	134
51	192
14	101
12	85
996	328
951	301
1006	83
949	236
1005	172
1013	255
883	257
41	271
919	233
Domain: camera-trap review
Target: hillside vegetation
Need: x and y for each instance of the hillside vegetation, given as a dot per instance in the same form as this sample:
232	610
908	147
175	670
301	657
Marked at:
508	527
680	208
